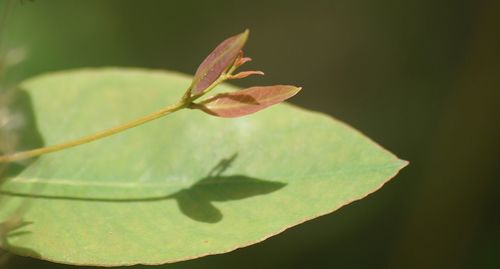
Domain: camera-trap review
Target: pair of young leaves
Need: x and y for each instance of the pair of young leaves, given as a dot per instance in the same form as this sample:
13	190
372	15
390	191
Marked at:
219	66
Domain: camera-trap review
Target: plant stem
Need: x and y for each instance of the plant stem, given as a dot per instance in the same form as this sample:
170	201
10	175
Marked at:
185	102
37	152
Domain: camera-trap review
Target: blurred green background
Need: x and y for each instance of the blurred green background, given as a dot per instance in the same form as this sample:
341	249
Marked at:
420	77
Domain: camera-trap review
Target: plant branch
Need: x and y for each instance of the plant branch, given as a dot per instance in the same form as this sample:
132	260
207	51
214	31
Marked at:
185	102
93	137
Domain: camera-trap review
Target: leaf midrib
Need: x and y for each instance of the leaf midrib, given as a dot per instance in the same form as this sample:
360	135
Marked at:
319	176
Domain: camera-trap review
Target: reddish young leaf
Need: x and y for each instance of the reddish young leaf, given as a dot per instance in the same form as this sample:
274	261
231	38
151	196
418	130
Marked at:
241	59
247	101
220	59
245	74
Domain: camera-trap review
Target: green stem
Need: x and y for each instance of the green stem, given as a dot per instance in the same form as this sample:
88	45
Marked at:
185	102
37	152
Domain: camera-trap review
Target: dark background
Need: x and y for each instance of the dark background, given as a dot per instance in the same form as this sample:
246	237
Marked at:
421	77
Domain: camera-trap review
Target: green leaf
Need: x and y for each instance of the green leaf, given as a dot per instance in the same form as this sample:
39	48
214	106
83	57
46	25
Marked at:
217	62
247	101
177	188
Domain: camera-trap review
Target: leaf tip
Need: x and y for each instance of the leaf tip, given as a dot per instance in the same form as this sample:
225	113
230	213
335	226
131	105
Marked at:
403	163
243	36
246	33
294	90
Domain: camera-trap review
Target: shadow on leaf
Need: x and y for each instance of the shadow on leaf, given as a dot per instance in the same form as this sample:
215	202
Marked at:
196	201
12	228
18	129
18	132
